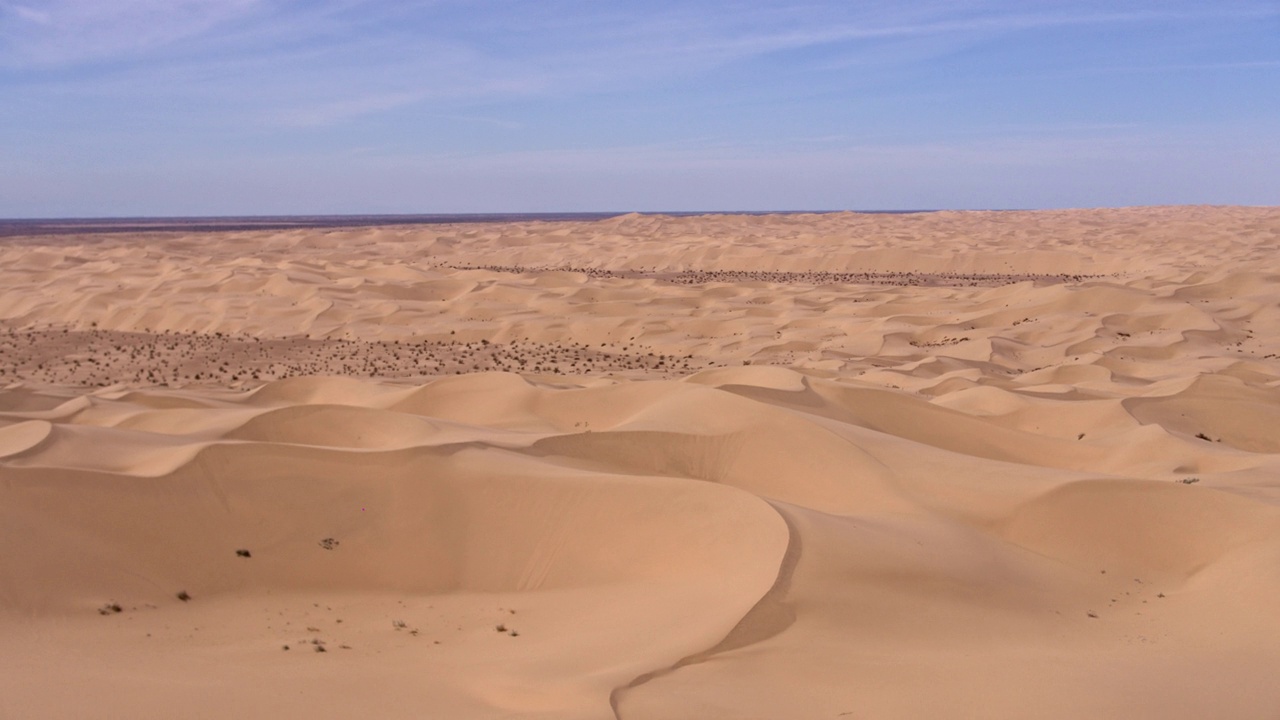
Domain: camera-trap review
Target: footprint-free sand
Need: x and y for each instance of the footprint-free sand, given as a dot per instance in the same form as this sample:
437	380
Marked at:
939	465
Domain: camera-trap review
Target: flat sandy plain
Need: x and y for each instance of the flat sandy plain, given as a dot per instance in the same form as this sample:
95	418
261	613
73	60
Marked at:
945	465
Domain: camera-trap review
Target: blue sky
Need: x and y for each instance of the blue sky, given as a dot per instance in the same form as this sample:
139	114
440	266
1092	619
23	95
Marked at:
217	107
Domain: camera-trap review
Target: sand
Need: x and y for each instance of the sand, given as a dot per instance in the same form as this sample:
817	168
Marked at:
956	464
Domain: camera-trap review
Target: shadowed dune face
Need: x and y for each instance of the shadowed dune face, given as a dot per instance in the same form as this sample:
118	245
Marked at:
652	567
436	526
995	464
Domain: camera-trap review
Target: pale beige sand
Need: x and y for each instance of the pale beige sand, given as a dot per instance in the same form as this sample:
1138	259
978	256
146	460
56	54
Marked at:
996	465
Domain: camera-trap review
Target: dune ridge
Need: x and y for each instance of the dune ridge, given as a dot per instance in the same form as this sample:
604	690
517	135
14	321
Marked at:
1015	464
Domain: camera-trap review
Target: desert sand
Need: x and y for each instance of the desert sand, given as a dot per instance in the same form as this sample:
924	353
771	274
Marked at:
942	465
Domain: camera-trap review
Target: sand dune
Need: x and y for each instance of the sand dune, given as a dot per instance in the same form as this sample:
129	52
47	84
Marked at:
999	465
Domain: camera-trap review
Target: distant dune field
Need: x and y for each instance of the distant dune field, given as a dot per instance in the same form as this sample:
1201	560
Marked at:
938	465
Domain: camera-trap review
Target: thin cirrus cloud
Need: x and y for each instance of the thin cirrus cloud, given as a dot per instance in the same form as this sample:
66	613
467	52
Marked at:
372	57
592	89
66	32
61	33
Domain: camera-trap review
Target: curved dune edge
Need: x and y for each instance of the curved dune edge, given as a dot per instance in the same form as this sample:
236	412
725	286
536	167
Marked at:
659	541
132	500
770	616
22	436
1021	464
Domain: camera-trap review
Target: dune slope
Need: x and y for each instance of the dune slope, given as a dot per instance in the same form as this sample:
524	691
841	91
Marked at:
999	465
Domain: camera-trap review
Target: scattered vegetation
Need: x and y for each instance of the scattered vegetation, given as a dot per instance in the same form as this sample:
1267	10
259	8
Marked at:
98	358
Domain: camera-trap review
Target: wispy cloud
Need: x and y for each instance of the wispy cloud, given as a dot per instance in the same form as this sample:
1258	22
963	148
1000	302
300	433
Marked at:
49	33
1190	67
346	109
705	85
27	13
574	45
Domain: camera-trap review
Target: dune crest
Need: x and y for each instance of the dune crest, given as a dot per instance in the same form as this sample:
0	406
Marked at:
1013	464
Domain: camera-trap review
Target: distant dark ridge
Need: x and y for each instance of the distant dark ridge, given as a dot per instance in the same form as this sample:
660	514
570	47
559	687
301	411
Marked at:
807	277
79	226
58	226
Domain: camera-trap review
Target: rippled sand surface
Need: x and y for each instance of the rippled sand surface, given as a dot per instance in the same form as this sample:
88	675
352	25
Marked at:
955	464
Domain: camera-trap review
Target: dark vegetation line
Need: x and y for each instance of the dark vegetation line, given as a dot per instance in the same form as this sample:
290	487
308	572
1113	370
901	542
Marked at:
96	358
813	277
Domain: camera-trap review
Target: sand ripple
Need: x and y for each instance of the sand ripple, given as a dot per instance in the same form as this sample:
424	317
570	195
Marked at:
995	464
